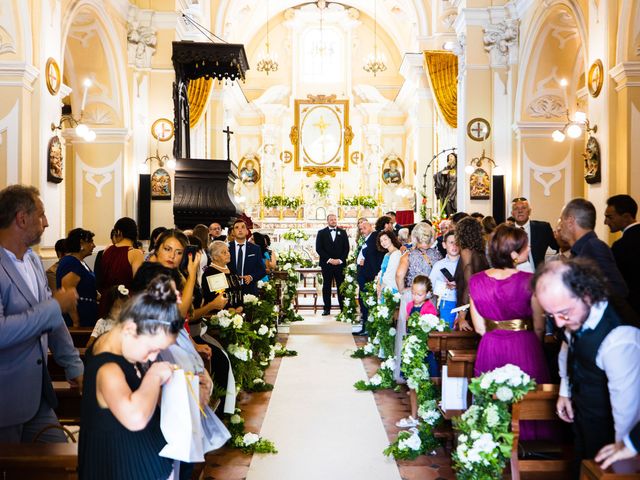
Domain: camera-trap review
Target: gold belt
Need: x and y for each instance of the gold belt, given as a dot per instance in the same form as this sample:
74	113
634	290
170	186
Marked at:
515	325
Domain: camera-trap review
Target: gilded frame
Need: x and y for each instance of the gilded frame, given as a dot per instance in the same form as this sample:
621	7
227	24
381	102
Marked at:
321	154
595	78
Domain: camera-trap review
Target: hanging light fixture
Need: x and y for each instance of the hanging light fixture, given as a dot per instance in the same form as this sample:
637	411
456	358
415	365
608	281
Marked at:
266	61
375	62
574	126
81	129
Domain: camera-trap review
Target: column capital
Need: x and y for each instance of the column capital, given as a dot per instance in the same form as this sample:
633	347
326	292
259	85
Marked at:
626	74
18	74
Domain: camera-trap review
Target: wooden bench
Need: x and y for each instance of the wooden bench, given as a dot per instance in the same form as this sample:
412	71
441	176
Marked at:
69	403
44	461
460	363
441	342
539	404
80	335
622	470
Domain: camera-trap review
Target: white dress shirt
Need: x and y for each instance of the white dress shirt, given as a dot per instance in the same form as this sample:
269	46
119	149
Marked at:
619	357
25	268
527	266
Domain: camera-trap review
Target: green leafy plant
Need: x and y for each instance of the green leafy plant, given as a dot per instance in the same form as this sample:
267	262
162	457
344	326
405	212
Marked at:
295	235
365	201
248	442
322	187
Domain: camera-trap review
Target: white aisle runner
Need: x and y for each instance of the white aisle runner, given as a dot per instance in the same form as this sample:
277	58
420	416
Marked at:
322	427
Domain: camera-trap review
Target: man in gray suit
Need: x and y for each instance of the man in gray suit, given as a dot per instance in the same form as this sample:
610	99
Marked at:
30	323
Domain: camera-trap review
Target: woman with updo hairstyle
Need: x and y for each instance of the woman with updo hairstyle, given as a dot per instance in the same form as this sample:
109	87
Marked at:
470	239
505	312
119	262
220	257
73	272
120	417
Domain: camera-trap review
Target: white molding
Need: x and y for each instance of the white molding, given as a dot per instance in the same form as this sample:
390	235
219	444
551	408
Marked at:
27	72
623	72
115	172
529	166
10	124
103	135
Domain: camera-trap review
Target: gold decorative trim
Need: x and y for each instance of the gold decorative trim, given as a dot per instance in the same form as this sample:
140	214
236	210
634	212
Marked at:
162	121
198	95
286	156
348	135
322	98
357	157
53	78
596	78
321	171
294	135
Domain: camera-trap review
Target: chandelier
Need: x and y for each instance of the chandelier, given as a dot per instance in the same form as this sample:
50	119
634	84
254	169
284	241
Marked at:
575	126
267	62
375	62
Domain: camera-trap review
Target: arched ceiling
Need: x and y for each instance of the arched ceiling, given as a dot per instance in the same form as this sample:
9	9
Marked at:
239	20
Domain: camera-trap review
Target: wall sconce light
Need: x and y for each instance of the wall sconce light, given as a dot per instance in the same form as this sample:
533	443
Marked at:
171	163
574	126
477	163
82	130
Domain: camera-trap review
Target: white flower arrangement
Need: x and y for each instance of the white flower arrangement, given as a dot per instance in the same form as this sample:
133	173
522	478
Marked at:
263	330
250	438
295	235
412	442
383	311
236	419
392	332
368	348
375	380
237	321
348	278
241	353
257	381
249	299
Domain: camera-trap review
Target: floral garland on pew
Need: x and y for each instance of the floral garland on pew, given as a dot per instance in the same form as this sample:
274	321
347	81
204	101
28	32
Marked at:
370	299
485	439
382	338
248	442
349	288
289	292
268	297
421	439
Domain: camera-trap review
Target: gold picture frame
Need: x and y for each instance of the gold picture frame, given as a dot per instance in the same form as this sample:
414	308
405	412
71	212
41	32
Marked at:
249	169
162	129
321	135
53	78
393	170
596	78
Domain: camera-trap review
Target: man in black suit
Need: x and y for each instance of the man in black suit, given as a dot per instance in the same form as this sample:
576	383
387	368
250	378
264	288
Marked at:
246	259
620	216
369	261
540	233
332	245
215	232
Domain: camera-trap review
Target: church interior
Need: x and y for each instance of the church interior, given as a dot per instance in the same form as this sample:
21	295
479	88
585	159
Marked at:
310	108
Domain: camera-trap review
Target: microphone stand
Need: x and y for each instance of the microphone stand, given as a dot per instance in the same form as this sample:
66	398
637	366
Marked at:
433	159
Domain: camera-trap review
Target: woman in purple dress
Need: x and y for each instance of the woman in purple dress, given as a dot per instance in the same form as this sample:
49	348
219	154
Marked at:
503	310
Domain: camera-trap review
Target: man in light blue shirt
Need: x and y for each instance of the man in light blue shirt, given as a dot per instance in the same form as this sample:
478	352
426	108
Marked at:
444	289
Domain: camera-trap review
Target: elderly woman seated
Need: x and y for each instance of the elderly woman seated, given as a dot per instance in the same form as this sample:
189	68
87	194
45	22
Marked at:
217	280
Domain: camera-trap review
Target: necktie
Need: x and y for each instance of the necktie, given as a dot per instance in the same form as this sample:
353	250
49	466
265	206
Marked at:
240	261
572	360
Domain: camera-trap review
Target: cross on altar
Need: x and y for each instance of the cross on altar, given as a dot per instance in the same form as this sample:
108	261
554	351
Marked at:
229	133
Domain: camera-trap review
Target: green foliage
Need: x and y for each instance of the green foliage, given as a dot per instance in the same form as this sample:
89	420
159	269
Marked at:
365	201
274	201
248	442
322	187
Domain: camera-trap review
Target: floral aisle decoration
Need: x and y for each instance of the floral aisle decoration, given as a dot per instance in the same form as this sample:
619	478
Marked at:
364	201
381	380
381	321
485	439
289	292
295	235
322	188
349	288
294	258
421	439
248	442
274	201
369	298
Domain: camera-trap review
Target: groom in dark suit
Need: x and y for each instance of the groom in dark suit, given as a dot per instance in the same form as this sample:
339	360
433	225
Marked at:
540	233
620	216
332	245
246	259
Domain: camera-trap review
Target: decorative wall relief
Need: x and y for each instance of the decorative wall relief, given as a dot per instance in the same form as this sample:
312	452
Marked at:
141	38
547	106
54	160
592	161
160	185
501	41
6	47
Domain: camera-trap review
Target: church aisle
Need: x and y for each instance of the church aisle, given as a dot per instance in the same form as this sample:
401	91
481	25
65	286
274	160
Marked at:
322	427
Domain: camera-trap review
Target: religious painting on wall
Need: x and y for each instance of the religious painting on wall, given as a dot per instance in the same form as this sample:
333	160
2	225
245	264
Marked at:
392	170
249	170
54	160
592	161
480	185
321	135
160	185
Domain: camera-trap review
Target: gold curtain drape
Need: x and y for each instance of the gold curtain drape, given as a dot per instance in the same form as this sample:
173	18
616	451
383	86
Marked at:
198	94
442	68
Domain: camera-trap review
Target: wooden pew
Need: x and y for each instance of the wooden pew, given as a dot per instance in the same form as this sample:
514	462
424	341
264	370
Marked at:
44	461
539	404
460	363
80	335
622	470
69	403
440	342
56	371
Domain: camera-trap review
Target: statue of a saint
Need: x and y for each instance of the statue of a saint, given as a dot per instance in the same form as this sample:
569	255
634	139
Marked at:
391	174
446	186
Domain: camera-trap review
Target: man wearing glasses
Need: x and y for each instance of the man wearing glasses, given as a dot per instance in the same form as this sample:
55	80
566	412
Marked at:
540	233
599	360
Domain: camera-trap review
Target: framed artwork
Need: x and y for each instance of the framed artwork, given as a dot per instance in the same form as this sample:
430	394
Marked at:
592	161
392	170
249	170
596	78
162	129
321	135
53	78
480	185
478	129
54	160
160	185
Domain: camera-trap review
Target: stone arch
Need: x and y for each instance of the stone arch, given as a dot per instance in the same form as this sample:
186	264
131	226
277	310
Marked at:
628	35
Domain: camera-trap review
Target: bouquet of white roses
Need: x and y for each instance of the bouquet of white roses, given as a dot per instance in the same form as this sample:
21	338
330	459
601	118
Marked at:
295	235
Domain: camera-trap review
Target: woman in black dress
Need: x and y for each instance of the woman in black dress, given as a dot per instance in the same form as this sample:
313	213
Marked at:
121	436
220	257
